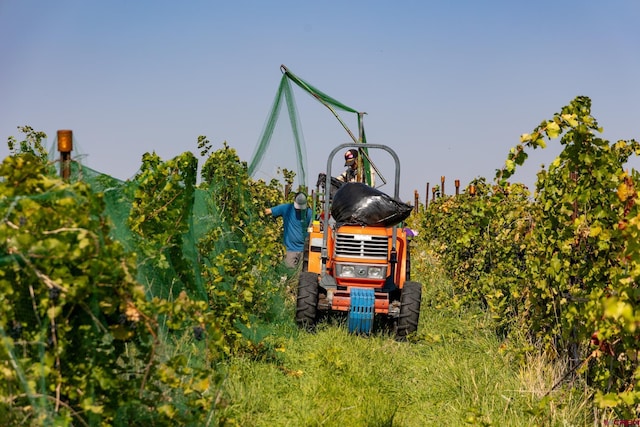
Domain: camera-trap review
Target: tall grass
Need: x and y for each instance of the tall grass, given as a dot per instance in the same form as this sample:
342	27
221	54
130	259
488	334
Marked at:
451	373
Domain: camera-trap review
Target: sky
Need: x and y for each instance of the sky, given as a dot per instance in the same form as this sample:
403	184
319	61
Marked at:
449	85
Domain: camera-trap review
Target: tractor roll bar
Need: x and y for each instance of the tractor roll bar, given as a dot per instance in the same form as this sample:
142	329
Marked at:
396	193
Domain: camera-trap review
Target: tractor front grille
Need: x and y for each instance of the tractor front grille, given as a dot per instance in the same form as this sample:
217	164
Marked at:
362	246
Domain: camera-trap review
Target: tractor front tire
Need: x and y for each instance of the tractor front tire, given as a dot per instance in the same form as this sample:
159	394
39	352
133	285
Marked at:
307	302
409	310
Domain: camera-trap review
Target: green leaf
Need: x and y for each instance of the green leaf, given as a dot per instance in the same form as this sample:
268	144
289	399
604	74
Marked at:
509	165
553	129
609	400
570	119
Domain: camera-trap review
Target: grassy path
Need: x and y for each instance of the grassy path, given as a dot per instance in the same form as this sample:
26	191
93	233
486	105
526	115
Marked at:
451	374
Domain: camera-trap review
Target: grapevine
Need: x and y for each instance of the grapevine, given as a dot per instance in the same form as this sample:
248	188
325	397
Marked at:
561	268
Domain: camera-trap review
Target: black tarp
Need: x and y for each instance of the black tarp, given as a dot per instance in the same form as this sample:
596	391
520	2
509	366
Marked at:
359	204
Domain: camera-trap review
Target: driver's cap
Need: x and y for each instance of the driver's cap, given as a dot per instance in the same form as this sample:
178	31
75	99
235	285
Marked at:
350	157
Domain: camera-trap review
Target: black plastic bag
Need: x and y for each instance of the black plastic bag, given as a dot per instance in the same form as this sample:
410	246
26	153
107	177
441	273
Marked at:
359	204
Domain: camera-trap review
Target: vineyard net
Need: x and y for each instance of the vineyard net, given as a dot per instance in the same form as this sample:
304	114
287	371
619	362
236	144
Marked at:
185	237
163	281
282	133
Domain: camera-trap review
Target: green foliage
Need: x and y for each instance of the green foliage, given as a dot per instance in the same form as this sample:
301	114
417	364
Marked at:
73	317
576	255
160	218
163	196
101	331
480	238
288	177
562	267
240	251
31	144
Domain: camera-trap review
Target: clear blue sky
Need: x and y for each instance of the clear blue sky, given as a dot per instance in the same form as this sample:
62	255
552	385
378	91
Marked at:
450	85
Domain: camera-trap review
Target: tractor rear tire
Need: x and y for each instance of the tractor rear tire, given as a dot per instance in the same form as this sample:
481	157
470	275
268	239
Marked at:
409	310
307	302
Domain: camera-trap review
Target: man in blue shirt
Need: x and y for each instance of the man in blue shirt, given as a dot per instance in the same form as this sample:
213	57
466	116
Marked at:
297	218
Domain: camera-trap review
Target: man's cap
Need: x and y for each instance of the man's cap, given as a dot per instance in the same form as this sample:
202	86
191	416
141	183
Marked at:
300	202
350	157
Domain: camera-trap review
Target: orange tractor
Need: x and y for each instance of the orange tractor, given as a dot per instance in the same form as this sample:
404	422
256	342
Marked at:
360	265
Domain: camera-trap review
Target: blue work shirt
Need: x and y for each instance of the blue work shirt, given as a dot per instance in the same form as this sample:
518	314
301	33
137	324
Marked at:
295	229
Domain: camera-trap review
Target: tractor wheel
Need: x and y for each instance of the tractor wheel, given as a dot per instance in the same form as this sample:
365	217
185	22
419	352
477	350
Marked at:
307	303
409	310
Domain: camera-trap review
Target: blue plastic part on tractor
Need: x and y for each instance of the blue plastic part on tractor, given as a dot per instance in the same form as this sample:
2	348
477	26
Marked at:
361	310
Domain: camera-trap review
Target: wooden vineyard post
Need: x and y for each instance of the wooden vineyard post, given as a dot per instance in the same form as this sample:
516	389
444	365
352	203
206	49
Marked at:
65	145
574	215
426	197
442	186
457	184
416	200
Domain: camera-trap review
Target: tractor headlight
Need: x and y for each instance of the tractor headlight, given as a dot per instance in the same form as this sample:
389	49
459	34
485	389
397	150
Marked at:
376	272
361	271
346	270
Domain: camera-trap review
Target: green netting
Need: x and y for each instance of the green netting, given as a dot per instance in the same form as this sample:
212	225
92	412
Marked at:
88	233
274	119
285	94
166	276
